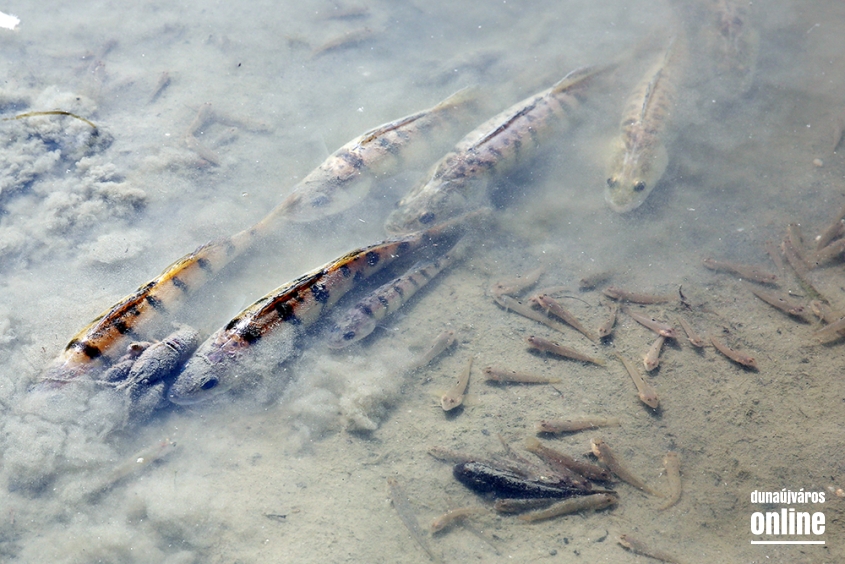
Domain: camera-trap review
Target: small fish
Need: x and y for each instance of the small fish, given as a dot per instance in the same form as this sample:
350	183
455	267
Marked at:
403	508
639	547
455	396
516	306
590	281
781	302
361	319
672	466
623	295
516	505
572	425
833	230
828	253
501	376
458	182
748	272
639	157
514	286
551	305
734	355
345	177
646	392
265	333
693	337
560	461
99	342
607	457
160	360
544	345
651	360
735	45
442	342
454	516
606	329
134	465
594	502
662	329
832	332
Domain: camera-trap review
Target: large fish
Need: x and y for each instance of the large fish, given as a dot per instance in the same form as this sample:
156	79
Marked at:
639	156
345	176
458	182
343	179
265	334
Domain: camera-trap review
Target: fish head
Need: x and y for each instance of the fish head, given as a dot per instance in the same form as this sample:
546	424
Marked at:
343	335
422	209
633	173
202	378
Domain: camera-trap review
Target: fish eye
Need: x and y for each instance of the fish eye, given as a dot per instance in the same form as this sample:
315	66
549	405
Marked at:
611	182
427	218
210	383
639	186
349	335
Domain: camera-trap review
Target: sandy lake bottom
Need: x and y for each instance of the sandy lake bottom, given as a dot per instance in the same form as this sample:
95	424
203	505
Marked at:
301	474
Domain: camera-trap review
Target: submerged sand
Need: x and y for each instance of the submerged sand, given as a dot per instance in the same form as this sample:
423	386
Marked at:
303	477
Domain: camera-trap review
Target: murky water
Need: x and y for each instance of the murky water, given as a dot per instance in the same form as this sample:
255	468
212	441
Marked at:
303	477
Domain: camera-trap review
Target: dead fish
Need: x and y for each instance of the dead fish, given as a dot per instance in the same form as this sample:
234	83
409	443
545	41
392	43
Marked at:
265	333
639	157
361	319
458	182
345	177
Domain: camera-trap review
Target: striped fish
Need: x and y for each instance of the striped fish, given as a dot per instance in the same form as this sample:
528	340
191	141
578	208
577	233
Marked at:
265	334
458	182
639	157
105	338
361	319
334	186
345	177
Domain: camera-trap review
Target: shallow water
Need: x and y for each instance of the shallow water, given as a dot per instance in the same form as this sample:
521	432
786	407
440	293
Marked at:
303	477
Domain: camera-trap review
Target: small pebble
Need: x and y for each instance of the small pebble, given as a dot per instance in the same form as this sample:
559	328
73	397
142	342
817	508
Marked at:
818	163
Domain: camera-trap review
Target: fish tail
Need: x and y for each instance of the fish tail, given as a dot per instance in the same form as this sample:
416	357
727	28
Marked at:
465	96
579	76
